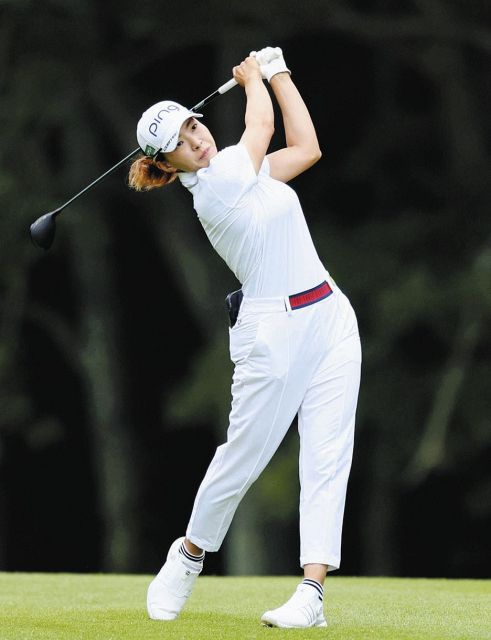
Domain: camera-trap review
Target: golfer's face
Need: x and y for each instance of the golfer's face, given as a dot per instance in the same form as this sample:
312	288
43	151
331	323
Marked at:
195	147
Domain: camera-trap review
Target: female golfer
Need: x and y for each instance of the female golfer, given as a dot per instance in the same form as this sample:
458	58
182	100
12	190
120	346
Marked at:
295	344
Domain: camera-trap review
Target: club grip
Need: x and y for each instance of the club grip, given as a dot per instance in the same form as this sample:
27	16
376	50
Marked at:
227	86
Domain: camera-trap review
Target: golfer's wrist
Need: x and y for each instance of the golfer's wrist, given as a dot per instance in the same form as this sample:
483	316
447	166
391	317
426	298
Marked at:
281	76
254	80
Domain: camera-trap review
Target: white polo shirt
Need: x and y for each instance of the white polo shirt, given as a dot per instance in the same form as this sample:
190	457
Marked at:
256	224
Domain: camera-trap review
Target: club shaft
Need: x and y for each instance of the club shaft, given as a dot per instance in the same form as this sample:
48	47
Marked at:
221	90
89	186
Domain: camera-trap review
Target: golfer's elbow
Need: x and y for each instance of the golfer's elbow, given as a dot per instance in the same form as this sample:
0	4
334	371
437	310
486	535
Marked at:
310	150
316	155
312	156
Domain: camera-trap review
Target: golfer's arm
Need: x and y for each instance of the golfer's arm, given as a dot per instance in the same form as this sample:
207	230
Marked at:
259	121
302	150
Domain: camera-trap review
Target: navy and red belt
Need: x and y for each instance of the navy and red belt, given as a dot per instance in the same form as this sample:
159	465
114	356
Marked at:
297	300
304	298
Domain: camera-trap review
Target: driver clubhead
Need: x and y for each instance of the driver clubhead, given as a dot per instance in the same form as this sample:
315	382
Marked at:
42	231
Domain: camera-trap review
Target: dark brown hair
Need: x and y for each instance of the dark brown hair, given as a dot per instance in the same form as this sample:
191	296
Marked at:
146	173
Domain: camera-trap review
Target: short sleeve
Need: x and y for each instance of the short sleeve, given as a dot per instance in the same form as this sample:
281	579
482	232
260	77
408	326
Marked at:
230	174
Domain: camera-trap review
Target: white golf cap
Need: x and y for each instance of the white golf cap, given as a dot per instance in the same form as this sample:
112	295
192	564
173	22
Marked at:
159	126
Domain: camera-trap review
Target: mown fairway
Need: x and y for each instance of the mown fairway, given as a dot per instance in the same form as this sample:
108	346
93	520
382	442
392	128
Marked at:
112	607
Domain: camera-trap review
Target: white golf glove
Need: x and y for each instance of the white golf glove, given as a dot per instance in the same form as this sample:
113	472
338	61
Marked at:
271	62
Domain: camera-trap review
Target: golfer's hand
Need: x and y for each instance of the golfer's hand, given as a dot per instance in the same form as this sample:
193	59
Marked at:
248	70
271	62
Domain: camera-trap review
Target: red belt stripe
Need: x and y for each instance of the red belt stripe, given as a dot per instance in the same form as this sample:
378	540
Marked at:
304	298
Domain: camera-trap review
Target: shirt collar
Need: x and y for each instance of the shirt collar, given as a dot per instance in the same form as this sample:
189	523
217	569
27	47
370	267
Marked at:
189	179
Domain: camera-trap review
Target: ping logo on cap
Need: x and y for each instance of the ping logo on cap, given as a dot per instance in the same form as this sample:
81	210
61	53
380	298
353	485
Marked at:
154	125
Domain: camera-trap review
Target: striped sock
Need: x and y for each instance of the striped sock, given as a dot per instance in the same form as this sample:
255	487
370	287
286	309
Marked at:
315	585
190	556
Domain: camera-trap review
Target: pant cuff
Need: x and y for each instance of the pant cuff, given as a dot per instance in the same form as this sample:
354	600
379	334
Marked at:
202	544
332	565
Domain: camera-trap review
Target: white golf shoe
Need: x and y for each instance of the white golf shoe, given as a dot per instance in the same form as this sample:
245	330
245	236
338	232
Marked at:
169	590
303	609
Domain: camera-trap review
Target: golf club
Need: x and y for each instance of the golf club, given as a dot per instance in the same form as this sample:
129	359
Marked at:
42	230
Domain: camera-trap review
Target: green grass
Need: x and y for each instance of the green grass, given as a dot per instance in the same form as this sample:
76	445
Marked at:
112	607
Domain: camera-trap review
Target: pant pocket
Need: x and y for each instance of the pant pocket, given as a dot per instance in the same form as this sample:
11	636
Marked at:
242	337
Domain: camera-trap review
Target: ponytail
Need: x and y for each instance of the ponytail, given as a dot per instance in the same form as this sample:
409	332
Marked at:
146	173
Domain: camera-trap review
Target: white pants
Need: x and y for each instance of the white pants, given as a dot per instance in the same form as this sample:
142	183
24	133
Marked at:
305	361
